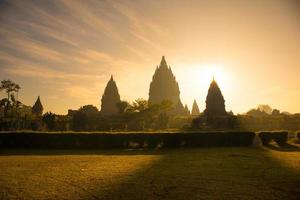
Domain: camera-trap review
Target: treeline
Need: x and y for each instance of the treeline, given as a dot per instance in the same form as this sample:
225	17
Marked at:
135	116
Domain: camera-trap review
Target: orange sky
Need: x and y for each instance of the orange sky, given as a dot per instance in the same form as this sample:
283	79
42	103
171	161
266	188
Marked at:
65	50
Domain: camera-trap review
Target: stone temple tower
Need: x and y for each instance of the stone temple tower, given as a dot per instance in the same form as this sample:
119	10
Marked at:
37	108
215	103
110	98
165	87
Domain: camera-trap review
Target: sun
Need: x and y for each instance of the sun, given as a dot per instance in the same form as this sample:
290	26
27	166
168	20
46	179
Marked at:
196	78
209	72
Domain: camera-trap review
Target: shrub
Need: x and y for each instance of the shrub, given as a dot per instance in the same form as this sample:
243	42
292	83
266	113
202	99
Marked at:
124	140
298	136
279	137
265	137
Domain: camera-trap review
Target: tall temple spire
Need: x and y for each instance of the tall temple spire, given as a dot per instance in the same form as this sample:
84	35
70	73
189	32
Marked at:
215	103
37	108
165	87
110	98
163	62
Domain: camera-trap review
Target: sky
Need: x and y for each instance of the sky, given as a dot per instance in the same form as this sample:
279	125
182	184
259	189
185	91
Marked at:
65	51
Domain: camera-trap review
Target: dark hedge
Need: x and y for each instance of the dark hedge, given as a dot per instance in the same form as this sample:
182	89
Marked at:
279	137
124	140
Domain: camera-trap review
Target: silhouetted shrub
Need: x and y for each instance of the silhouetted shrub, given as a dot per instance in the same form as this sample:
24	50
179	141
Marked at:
265	137
279	137
124	140
36	125
298	136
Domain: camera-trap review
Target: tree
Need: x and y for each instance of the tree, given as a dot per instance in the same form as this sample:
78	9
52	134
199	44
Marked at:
265	108
9	87
49	120
276	112
139	105
123	106
86	118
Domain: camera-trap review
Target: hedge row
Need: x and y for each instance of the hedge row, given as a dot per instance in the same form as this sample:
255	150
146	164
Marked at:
128	140
298	135
279	137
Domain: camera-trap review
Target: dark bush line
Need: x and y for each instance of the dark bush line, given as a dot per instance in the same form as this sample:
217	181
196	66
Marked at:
119	140
298	135
280	138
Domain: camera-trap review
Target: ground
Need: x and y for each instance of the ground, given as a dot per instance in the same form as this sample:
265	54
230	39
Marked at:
210	173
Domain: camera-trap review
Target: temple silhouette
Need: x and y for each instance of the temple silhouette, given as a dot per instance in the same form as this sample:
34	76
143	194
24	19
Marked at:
195	109
164	87
37	108
215	103
110	98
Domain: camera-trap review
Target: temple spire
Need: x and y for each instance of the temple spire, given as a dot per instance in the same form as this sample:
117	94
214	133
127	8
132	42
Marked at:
215	103
37	108
165	87
195	109
110	98
163	62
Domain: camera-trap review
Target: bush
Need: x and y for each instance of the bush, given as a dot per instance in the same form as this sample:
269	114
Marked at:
265	137
279	137
298	136
124	140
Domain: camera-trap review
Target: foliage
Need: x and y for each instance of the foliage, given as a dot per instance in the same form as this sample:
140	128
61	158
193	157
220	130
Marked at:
279	137
119	140
49	120
85	118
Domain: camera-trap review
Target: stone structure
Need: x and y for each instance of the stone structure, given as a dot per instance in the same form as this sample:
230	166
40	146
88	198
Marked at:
215	103
110	98
195	109
37	108
165	87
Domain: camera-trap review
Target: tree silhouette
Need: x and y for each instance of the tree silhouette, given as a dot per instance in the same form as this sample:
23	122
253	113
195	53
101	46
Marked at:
9	87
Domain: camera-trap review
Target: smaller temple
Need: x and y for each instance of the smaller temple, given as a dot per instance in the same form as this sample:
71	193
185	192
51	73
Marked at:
37	108
110	98
215	103
195	109
186	110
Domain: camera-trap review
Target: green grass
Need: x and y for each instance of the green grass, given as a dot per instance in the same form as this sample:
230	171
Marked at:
210	173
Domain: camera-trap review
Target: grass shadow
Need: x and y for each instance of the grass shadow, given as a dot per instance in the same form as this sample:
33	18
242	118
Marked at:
202	173
216	173
288	147
57	152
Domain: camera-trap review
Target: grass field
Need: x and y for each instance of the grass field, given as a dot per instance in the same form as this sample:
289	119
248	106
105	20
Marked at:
211	173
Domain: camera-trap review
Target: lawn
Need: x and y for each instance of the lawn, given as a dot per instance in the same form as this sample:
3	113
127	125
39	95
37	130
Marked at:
207	173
